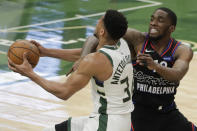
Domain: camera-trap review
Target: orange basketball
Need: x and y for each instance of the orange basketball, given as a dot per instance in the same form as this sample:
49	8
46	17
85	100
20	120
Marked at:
19	47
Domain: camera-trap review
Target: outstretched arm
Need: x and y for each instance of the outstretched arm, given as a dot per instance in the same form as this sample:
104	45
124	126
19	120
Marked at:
64	54
183	57
75	81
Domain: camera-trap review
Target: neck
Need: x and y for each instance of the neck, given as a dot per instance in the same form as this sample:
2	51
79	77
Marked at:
103	42
161	43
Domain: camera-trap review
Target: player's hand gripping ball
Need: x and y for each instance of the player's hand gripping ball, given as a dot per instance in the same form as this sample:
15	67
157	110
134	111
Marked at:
19	47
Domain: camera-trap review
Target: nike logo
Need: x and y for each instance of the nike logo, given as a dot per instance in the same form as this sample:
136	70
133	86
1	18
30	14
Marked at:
149	50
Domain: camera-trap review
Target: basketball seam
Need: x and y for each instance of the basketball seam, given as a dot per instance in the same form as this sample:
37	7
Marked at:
19	57
15	55
27	49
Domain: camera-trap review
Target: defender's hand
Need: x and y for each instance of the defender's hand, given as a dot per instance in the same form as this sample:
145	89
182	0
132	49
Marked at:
146	60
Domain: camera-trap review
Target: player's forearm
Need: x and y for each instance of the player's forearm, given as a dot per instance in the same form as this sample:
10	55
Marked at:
55	88
64	54
89	45
170	74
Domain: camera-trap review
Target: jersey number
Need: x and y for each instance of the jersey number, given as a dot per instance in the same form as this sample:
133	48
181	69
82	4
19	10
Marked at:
126	80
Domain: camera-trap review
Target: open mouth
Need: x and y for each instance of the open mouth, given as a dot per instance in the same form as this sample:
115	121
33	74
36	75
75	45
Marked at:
153	31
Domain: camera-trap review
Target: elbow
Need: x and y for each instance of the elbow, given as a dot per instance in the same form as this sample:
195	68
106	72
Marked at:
63	96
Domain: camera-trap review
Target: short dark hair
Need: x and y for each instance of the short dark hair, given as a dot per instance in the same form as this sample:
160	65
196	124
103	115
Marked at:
171	14
115	23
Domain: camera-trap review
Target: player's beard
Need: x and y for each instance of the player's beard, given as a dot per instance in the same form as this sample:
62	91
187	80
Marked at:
156	38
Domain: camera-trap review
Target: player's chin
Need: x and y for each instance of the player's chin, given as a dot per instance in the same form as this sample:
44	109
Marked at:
154	37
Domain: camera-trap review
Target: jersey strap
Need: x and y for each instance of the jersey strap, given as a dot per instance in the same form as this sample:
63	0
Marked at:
108	56
173	51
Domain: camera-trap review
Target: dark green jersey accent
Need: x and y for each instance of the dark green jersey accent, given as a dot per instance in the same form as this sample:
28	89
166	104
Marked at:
108	56
103	117
69	124
103	108
112	47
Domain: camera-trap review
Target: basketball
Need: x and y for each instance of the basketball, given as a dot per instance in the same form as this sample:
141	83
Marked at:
19	47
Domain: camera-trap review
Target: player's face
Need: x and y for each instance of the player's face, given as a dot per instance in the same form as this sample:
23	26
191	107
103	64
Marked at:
159	25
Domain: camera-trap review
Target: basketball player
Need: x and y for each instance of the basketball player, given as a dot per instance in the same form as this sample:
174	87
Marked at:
111	75
159	63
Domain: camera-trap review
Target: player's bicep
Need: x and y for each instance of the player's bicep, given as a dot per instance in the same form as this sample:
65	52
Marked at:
80	78
185	55
181	65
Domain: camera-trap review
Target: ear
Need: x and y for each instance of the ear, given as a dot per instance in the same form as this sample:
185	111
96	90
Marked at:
102	32
171	28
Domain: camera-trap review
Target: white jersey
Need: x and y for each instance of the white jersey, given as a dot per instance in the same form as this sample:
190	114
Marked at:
114	96
111	98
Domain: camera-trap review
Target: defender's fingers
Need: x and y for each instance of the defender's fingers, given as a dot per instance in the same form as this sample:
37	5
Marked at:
143	63
142	58
146	55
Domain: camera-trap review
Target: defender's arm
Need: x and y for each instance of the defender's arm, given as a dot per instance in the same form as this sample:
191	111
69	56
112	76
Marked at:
183	56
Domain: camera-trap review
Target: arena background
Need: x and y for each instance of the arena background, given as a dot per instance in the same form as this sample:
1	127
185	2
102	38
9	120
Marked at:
64	24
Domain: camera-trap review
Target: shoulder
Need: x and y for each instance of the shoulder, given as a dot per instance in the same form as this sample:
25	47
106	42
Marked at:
184	52
93	62
94	58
